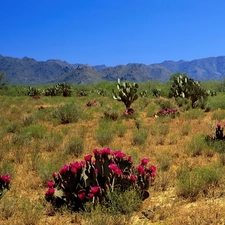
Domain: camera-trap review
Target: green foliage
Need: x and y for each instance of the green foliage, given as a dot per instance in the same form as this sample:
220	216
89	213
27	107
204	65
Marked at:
185	87
63	89
190	183
32	91
75	146
127	93
196	145
139	137
124	202
68	113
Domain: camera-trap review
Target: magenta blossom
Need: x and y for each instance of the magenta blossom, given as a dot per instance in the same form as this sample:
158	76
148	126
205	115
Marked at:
218	125
95	171
54	174
144	161
113	167
50	183
88	157
91	195
5	178
95	189
119	154
106	151
129	158
73	170
152	168
81	195
132	177
50	192
118	171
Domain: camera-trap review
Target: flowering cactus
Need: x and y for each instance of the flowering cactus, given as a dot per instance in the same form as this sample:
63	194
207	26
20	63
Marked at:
4	183
95	177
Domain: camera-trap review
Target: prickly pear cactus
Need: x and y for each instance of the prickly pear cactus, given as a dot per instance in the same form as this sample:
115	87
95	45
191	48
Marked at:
184	87
127	93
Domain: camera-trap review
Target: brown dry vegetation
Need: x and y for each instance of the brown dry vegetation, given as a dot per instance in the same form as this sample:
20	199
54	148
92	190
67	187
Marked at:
30	150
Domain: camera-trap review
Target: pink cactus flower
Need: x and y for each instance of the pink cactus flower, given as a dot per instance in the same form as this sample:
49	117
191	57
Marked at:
88	157
106	151
144	161
118	171
50	192
119	154
140	169
218	125
95	189
50	183
73	170
81	195
96	151
132	177
5	178
113	167
91	195
54	174
129	158
152	168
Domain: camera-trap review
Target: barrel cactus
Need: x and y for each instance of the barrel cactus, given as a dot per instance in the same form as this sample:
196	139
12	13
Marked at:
127	93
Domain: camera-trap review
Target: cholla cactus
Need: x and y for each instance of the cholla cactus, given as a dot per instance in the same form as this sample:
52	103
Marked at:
127	93
92	180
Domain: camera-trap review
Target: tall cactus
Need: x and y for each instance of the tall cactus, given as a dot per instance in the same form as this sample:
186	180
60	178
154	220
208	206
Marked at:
127	93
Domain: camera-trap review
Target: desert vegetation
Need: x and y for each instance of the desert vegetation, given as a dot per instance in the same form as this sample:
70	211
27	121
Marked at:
75	156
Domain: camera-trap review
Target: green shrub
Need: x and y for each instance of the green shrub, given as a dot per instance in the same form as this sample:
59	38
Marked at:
124	202
34	131
120	129
196	145
68	113
139	137
200	179
218	115
75	146
104	136
194	114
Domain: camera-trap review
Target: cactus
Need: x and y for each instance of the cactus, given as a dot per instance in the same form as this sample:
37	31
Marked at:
127	93
184	87
144	93
62	88
92	180
32	91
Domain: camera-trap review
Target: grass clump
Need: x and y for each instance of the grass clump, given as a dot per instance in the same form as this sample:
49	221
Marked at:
68	113
192	182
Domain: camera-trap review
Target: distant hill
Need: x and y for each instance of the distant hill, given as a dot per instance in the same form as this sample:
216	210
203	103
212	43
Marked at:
30	72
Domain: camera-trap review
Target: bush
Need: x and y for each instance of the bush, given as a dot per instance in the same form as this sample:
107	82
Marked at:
139	137
200	179
68	113
75	146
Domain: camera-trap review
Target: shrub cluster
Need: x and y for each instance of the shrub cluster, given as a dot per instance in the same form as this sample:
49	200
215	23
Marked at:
167	111
91	180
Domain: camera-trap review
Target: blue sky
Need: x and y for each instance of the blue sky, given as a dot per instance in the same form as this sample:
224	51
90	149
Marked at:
112	32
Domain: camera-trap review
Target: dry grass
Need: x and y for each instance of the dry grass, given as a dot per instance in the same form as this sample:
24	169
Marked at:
35	145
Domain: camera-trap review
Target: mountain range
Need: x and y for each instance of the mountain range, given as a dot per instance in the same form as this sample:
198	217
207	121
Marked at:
28	71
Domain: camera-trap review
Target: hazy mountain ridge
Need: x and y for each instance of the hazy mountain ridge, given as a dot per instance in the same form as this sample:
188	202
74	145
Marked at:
29	71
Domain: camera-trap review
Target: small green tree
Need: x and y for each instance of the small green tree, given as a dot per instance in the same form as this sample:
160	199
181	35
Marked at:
127	93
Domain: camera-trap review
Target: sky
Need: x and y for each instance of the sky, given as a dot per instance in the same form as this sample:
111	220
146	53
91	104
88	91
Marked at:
112	32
